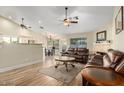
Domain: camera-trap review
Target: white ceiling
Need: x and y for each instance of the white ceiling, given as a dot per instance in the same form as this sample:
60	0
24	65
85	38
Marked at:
90	17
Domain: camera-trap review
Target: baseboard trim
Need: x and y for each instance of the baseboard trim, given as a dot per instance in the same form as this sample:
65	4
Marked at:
5	69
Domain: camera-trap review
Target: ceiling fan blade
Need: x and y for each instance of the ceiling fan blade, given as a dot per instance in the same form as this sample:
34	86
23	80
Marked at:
73	21
23	26
76	17
41	27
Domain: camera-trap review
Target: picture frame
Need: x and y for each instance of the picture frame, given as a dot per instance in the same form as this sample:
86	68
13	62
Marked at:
119	21
101	36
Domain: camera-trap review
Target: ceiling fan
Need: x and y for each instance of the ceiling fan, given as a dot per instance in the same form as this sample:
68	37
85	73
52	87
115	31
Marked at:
23	26
69	20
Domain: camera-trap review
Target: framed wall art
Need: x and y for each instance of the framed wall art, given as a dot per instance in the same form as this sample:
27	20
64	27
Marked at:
119	21
101	36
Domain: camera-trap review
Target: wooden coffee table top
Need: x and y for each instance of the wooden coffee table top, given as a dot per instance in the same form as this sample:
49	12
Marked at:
99	76
64	58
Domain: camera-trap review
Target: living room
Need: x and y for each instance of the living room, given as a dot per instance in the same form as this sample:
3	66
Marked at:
57	50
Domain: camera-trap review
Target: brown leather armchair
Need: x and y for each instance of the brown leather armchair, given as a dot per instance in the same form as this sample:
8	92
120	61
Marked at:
113	61
110	60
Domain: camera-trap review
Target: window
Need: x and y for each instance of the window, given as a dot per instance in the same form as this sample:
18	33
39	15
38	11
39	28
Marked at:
6	39
14	40
9	39
54	43
78	42
50	43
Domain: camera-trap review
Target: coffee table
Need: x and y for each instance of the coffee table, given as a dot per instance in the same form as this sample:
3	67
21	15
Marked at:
64	60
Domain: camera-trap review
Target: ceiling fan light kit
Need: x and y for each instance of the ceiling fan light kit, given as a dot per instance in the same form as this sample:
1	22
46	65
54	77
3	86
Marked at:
66	22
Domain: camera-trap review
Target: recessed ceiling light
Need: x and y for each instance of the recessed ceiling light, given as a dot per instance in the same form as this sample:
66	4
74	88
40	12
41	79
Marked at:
10	17
27	25
39	21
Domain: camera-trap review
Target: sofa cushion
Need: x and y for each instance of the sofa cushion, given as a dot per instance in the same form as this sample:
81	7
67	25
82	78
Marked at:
106	61
97	60
115	56
120	67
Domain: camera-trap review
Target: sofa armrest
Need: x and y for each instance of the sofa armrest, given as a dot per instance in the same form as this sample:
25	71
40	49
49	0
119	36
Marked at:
101	67
98	57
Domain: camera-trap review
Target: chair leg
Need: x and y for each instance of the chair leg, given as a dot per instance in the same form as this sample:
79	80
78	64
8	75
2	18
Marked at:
57	64
66	65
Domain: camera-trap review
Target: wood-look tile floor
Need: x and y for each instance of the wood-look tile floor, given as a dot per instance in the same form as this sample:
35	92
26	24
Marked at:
30	76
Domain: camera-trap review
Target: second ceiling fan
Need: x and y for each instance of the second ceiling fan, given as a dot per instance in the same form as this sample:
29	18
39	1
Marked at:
23	25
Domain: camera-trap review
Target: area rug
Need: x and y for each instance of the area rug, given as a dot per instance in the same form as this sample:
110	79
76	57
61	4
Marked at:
61	74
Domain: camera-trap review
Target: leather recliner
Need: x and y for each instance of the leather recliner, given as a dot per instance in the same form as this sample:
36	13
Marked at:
112	61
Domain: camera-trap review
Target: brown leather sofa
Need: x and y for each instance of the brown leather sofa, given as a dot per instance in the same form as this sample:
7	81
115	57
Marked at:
80	54
113	61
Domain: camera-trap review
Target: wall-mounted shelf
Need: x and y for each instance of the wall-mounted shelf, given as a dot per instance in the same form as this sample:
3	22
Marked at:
104	42
102	46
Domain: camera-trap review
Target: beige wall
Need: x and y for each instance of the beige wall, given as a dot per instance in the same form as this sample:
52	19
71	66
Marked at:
118	39
103	46
107	28
88	35
91	38
18	54
8	27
